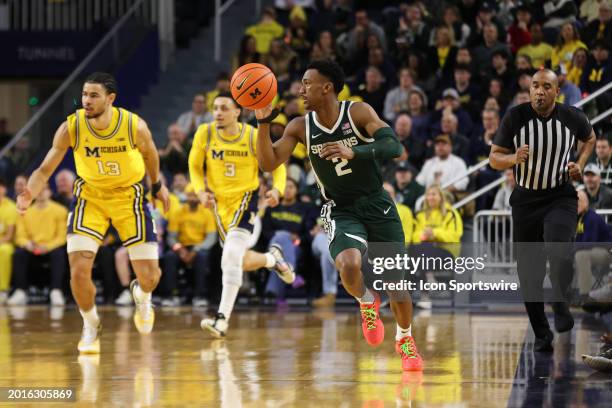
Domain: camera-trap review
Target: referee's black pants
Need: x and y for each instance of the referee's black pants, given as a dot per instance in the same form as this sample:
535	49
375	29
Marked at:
544	224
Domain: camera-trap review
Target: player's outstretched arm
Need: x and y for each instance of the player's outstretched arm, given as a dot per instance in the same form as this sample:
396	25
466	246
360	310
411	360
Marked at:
385	146
270	156
146	147
40	176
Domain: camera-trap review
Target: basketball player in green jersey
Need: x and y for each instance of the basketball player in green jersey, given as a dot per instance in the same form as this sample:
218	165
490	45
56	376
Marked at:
344	142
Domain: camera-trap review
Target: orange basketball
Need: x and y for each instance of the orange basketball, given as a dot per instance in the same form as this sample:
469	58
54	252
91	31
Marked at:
253	86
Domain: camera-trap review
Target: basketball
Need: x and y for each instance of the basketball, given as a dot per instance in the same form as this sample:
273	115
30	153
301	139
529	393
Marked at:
253	86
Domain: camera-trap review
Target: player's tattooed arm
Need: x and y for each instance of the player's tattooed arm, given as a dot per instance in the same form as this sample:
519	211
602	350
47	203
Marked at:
40	176
385	146
269	155
146	147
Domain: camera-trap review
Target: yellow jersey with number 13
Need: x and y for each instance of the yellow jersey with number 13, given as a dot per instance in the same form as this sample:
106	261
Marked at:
106	158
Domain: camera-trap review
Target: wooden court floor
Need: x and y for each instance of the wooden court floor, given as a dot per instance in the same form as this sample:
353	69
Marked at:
297	359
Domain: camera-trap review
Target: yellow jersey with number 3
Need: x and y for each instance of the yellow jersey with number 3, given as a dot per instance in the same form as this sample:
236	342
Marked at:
107	158
231	163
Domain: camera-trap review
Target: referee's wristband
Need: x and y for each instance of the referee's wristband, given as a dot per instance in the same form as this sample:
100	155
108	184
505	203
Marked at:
155	187
270	117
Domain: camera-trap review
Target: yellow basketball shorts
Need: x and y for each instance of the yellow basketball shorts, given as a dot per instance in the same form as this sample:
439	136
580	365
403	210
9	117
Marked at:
237	211
94	209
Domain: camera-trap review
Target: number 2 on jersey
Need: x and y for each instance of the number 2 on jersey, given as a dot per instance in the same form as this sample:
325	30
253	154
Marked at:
108	168
342	168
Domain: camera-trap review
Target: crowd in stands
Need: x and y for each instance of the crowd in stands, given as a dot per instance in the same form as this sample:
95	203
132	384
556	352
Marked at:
441	73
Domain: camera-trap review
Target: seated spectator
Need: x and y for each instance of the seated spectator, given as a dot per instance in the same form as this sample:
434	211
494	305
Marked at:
441	56
577	66
483	53
593	240
415	147
373	90
189	121
486	14
464	57
501	68
413	31
266	30
407	190
8	219
21	181
325	47
191	234
64	181
452	19
174	156
522	96
397	98
179	184
600	196
597	73
603	159
601	27
569	93
297	36
589	10
377	58
567	43
286	226
469	92
283	61
450	103
417	109
483	138
523	62
359	34
558	13
40	235
443	167
222	85
461	144
497	90
518	33
404	212
247	54
320	249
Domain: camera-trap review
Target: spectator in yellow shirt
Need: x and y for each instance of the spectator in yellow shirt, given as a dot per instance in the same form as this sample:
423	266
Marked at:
569	41
266	30
40	235
8	218
191	234
404	213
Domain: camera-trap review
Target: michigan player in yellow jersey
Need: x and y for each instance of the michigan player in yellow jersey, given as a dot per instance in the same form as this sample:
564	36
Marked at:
112	148
225	174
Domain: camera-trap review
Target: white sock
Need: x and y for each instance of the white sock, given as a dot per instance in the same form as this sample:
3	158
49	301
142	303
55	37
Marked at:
228	298
368	297
270	260
401	333
90	317
141	295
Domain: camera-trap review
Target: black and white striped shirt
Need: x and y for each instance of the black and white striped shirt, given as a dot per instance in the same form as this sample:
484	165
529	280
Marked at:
551	143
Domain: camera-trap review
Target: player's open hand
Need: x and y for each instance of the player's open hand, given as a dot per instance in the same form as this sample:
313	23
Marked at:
264	112
163	196
207	198
522	154
575	172
24	200
272	198
335	150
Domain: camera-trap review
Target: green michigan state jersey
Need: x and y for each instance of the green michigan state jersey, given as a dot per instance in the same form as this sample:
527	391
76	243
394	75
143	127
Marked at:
341	180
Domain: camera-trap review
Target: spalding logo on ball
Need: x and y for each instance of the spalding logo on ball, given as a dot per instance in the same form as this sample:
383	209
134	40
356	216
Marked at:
253	86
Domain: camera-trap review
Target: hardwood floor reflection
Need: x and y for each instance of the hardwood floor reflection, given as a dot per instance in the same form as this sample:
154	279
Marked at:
314	359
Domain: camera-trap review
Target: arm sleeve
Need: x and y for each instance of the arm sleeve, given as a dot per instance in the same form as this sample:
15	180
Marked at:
505	134
385	146
197	156
172	238
583	126
279	178
451	230
207	243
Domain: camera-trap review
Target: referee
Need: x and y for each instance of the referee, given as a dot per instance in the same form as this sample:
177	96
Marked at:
538	139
